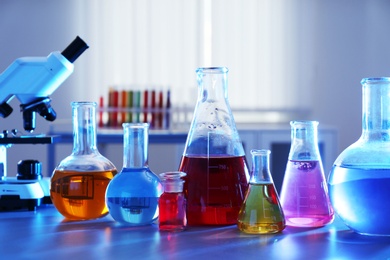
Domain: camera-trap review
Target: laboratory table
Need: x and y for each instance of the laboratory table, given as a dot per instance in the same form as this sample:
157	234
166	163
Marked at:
45	234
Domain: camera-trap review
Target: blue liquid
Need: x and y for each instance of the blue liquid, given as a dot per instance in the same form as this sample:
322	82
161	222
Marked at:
360	197
133	211
132	196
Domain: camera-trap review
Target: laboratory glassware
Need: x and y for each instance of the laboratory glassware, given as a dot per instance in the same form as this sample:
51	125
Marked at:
304	194
132	195
261	212
360	178
172	203
79	182
213	158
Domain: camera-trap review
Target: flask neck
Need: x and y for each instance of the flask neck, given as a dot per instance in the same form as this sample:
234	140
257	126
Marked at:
172	181
304	140
213	130
135	145
376	108
260	167
84	127
212	84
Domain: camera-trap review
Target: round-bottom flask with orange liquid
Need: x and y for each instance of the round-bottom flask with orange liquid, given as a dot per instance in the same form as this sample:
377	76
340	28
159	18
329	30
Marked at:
79	182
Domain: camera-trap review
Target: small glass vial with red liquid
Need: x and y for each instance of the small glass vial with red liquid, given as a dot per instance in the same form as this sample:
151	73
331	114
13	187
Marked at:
79	182
304	194
261	212
172	203
213	158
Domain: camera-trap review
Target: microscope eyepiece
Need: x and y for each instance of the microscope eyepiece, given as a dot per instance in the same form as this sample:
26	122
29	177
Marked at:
75	49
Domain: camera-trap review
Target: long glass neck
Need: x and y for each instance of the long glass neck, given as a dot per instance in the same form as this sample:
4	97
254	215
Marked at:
84	127
135	145
376	108
212	83
260	167
304	140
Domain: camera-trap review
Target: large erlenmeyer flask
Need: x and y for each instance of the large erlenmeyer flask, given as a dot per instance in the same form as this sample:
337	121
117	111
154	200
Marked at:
214	158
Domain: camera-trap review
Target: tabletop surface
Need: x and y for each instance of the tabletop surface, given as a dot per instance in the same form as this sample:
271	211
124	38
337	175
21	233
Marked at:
45	234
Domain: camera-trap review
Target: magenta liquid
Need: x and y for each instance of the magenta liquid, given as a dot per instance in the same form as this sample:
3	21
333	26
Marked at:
304	195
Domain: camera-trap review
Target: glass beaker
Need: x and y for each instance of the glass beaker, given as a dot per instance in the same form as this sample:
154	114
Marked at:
304	194
172	203
213	158
132	195
261	212
79	182
360	178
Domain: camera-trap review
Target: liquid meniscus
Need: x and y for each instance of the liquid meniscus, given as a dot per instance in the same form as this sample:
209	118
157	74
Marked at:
80	195
360	198
261	212
215	188
304	197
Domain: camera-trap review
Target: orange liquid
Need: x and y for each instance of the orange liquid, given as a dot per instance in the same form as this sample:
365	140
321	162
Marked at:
80	195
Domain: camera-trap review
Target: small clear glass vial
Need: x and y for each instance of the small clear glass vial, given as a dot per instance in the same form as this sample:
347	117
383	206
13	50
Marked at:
172	203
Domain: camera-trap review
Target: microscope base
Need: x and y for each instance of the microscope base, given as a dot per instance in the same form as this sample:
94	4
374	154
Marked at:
13	202
19	194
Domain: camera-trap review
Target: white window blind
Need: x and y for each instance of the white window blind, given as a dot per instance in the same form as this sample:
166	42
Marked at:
159	44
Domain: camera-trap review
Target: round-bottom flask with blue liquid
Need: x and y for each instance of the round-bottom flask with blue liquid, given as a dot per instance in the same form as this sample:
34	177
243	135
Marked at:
132	195
360	178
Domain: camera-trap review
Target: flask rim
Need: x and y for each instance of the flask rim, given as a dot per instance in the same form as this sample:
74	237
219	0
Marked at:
173	175
375	80
215	70
135	125
173	181
304	122
83	103
260	152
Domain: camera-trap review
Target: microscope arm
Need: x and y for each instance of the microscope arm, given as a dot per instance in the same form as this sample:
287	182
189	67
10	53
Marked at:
33	79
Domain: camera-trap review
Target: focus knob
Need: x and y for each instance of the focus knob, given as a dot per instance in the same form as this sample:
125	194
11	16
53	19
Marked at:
29	170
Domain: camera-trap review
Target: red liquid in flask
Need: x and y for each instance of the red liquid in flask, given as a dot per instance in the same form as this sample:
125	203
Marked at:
172	211
215	188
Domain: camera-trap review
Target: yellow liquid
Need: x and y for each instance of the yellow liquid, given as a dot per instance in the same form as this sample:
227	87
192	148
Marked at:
261	212
80	195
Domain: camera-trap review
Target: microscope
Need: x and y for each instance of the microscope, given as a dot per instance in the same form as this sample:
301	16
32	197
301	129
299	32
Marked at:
31	80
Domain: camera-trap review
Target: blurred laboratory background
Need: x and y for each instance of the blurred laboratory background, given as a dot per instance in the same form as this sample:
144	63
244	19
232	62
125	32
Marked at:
287	60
